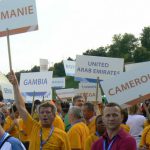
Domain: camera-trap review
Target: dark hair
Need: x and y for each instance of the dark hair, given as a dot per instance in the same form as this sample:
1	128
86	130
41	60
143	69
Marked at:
125	116
28	107
65	107
2	118
47	104
99	116
13	108
89	106
111	104
75	98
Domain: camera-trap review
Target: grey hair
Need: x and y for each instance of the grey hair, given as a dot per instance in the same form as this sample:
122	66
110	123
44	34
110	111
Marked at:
76	111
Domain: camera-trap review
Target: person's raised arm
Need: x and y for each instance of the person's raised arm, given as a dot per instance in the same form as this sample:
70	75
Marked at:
20	104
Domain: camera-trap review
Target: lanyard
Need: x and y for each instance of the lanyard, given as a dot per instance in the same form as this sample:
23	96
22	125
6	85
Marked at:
42	142
3	137
110	145
97	134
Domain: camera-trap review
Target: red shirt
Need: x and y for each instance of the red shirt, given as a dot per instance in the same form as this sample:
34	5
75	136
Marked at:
122	141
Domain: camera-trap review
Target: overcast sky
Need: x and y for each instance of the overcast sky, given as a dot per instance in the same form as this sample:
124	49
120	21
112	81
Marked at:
70	27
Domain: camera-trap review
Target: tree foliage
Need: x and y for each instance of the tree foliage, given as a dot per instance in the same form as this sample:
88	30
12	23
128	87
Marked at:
145	38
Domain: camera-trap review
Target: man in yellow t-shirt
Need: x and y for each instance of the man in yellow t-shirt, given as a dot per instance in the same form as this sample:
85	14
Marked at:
11	124
43	135
79	131
145	139
89	116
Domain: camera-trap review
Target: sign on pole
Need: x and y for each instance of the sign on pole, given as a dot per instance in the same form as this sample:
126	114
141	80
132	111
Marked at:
37	84
17	16
69	67
6	88
127	87
65	93
43	64
88	90
103	67
58	82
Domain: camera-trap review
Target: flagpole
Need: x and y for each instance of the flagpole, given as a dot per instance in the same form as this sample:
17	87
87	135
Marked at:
9	52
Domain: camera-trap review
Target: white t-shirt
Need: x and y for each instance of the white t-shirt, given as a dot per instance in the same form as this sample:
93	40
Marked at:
136	124
8	145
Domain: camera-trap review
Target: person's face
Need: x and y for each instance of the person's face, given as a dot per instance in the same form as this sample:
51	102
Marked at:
5	112
46	116
112	117
100	127
86	113
79	102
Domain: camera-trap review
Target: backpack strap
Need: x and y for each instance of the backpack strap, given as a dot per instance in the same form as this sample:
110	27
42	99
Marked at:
5	140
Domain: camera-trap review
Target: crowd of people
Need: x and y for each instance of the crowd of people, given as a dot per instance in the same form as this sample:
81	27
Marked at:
55	125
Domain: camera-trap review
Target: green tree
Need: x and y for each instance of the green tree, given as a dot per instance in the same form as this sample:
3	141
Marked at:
123	46
145	38
58	70
141	54
101	51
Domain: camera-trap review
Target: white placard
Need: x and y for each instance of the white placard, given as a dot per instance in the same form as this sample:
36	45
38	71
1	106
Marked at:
36	83
102	67
58	82
43	64
17	16
127	87
8	92
3	79
129	67
88	90
65	93
69	67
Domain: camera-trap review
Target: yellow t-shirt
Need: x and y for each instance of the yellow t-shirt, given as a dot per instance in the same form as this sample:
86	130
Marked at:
15	131
90	140
146	123
145	139
91	126
57	141
77	135
58	122
125	127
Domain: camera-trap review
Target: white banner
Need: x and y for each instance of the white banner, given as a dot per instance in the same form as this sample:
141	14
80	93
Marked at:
36	83
58	82
88	90
65	93
6	88
69	67
127	87
43	64
17	16
8	92
129	67
102	67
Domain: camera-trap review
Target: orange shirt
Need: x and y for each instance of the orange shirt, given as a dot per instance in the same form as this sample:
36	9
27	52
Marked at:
7	125
145	139
77	135
91	125
90	140
125	127
58	122
58	140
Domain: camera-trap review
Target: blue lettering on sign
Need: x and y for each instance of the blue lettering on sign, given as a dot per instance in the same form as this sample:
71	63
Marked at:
98	64
70	66
35	82
8	91
88	70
